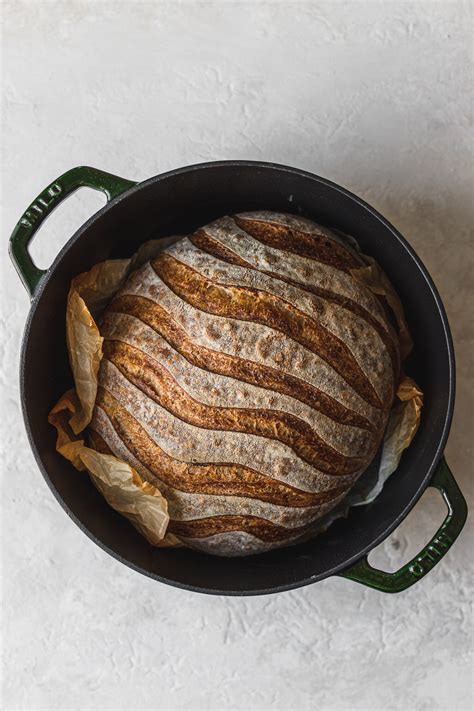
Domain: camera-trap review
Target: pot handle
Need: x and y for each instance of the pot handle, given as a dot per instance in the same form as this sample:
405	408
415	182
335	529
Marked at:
44	205
421	564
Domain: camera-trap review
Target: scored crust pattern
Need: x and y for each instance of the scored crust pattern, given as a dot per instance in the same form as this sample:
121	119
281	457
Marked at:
249	376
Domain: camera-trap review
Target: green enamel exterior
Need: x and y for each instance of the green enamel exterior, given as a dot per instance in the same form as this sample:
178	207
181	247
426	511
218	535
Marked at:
432	553
43	206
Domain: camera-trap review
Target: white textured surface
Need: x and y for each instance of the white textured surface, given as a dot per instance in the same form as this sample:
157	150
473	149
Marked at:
374	95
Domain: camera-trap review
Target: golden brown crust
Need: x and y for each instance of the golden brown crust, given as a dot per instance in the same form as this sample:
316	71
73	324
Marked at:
155	381
259	527
263	376
202	240
247	304
97	442
218	479
252	382
313	246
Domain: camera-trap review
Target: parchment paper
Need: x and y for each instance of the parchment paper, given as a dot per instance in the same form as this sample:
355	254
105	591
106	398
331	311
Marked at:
120	484
377	281
122	487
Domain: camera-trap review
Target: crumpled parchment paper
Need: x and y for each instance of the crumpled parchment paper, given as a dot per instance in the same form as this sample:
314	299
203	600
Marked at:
375	279
122	487
120	484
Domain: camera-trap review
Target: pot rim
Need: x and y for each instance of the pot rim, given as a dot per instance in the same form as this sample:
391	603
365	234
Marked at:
438	450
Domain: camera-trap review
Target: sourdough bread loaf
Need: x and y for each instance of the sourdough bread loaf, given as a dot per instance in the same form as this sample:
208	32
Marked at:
249	376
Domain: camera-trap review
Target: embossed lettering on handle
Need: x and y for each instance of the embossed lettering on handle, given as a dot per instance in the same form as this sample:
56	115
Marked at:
431	555
409	574
43	206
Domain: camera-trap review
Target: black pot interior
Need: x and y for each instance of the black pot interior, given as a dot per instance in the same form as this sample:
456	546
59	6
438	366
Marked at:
178	203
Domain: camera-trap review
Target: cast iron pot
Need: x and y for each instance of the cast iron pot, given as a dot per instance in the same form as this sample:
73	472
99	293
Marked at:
178	202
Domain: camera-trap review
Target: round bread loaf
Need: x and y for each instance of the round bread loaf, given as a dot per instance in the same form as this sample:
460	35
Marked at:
249	376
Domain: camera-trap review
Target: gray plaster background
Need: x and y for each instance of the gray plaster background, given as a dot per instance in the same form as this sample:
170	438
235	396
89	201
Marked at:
373	95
